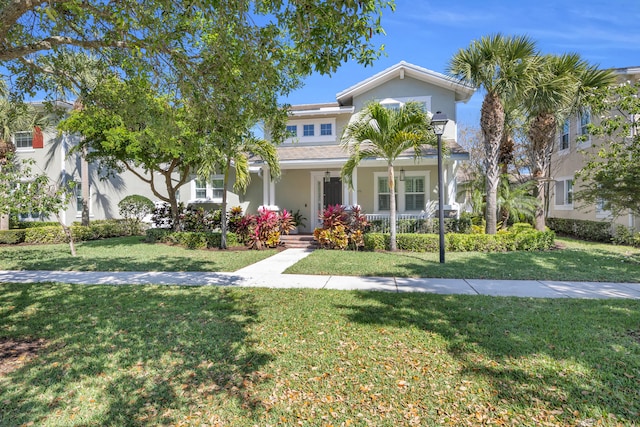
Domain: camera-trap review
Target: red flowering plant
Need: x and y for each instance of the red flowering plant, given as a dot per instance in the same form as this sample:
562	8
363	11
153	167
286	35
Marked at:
341	227
264	229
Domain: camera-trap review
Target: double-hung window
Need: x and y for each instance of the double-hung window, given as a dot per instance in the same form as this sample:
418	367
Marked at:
23	140
564	193
201	188
564	138
212	189
414	193
325	129
384	194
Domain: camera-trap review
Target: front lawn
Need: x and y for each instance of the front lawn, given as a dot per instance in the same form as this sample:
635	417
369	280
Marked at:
147	355
125	254
577	261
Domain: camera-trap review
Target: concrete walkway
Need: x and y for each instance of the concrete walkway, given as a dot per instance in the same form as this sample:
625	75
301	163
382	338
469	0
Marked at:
268	273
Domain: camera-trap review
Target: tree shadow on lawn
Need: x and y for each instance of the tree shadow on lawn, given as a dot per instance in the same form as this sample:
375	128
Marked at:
127	355
595	265
563	355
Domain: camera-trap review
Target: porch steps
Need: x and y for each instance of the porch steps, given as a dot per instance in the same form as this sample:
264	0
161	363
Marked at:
304	241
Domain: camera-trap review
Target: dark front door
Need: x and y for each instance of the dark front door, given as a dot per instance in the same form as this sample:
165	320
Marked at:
333	192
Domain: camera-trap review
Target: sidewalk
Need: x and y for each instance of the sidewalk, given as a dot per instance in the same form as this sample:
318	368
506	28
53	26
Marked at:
268	273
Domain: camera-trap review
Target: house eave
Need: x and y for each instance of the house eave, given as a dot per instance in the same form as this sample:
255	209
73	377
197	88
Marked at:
463	92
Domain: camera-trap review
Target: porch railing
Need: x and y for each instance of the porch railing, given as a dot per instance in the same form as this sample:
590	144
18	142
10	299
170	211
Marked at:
414	223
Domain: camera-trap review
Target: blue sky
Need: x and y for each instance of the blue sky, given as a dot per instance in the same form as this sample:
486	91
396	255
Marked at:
427	33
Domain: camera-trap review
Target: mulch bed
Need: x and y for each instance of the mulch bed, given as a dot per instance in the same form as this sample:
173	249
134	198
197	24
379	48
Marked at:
14	353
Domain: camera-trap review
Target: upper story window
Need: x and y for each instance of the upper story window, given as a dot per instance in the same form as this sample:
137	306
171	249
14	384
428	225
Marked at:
292	130
23	140
308	130
396	103
395	106
564	138
585	119
312	130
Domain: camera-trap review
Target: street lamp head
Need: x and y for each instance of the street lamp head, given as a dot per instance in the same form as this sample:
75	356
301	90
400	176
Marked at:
438	122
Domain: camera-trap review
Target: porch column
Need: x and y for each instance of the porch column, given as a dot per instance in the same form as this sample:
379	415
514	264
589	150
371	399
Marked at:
266	180
272	192
354	192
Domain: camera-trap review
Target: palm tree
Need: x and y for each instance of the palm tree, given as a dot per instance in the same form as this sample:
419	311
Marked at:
236	154
501	66
560	86
383	133
516	200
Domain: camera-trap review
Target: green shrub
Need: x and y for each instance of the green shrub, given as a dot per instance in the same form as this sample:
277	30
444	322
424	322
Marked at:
154	235
376	241
417	242
582	229
189	239
11	237
36	224
525	240
45	235
133	209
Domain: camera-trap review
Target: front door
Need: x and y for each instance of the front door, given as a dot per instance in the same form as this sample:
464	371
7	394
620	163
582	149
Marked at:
332	192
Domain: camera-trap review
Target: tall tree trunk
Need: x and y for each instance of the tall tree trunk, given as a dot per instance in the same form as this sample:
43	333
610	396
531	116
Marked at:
4	222
492	124
223	211
84	176
392	209
542	132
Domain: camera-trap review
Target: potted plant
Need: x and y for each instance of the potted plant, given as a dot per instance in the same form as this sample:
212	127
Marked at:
298	220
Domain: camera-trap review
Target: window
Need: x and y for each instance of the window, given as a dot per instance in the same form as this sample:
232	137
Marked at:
307	130
384	194
217	188
325	129
564	138
78	189
292	130
414	193
395	106
201	188
585	119
209	190
564	192
23	140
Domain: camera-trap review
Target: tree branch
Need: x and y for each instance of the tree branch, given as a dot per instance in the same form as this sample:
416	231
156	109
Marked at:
48	43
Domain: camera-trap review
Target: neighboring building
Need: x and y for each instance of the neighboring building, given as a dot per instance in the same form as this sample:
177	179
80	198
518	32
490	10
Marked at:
310	160
568	158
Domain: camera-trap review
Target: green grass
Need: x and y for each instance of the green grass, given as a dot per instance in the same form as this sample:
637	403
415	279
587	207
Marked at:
125	254
147	355
578	261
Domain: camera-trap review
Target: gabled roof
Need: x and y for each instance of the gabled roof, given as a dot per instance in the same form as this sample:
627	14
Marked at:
463	91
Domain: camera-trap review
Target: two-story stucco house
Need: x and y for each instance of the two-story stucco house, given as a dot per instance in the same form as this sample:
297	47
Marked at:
311	159
568	157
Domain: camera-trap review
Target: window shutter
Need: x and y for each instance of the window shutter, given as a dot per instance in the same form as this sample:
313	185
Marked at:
38	138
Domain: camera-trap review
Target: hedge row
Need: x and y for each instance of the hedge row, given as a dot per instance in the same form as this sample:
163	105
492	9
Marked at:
189	239
582	229
527	240
55	234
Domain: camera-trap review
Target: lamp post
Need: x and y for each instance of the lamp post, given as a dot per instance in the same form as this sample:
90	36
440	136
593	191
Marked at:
438	123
